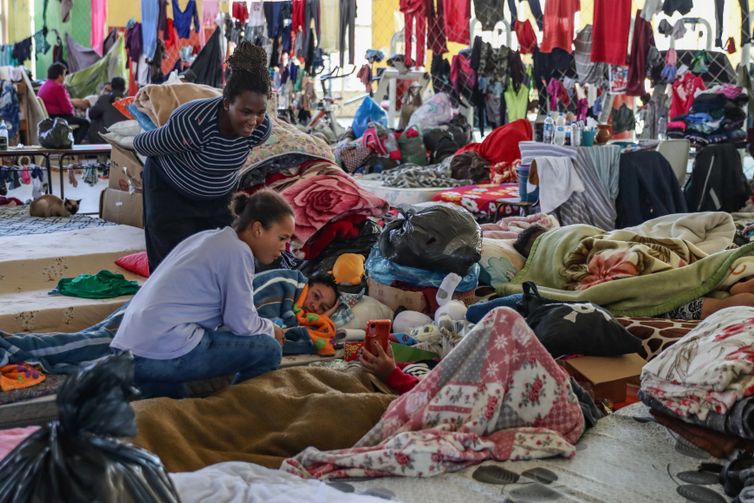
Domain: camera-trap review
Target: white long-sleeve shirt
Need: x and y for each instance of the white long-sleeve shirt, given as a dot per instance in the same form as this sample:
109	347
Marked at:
204	283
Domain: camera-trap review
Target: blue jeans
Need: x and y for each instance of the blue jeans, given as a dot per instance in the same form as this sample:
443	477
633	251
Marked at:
218	354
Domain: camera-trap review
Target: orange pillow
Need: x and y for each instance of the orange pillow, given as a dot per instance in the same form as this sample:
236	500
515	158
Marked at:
121	105
136	263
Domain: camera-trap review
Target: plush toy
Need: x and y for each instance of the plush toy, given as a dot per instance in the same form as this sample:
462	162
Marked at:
405	321
455	309
349	269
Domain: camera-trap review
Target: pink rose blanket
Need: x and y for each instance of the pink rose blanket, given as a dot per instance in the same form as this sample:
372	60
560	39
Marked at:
498	395
322	199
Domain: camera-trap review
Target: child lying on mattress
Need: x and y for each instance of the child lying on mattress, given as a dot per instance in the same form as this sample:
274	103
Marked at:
741	294
301	307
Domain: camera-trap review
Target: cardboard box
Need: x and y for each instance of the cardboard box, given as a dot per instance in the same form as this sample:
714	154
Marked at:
606	376
122	207
124	166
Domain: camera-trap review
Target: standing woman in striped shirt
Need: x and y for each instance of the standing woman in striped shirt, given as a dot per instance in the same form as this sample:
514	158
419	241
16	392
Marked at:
194	159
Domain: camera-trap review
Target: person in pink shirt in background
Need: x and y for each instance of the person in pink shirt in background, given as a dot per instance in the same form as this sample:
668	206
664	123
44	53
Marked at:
59	103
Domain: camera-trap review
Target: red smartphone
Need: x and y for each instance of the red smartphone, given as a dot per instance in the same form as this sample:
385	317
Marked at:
378	331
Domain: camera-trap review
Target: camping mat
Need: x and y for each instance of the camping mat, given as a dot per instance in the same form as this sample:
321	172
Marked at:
620	459
31	266
17	222
263	420
648	295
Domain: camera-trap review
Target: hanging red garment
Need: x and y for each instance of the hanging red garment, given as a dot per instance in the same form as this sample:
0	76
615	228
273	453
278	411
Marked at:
298	14
457	15
684	90
612	22
527	39
637	70
240	11
170	37
559	25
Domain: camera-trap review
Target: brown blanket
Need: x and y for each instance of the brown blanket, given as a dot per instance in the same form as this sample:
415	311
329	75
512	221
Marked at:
159	100
264	420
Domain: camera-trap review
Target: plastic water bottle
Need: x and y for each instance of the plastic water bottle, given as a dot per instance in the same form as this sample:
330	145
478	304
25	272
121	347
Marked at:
560	130
549	129
576	134
3	136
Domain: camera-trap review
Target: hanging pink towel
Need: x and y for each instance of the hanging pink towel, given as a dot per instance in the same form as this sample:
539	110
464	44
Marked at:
99	25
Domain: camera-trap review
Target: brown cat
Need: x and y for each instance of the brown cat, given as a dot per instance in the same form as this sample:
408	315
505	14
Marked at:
53	206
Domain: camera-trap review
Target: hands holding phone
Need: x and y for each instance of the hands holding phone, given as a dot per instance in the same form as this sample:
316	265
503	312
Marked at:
376	360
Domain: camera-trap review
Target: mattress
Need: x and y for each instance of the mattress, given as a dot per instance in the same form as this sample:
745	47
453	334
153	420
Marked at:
398	196
625	457
17	222
31	266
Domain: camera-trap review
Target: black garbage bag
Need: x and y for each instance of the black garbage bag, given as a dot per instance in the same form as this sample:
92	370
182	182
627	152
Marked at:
438	238
55	133
78	458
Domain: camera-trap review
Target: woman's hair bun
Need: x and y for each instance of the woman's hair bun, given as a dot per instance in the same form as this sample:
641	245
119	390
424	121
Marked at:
239	202
247	57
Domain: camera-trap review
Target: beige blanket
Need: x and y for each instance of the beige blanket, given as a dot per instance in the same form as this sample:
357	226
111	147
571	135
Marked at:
263	420
710	231
158	101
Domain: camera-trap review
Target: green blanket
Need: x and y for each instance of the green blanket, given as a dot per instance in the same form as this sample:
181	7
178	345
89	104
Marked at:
648	295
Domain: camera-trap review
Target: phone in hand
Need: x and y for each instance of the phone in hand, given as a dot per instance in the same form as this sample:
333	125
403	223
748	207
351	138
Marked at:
377	332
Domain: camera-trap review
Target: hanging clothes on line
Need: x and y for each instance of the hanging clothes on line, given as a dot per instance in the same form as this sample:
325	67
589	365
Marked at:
436	39
42	46
330	24
98	25
65	10
22	50
414	12
612	22
643	40
457	15
348	24
150	13
559	25
79	57
182	19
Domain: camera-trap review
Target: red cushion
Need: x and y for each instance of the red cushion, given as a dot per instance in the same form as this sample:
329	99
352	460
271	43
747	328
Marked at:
136	263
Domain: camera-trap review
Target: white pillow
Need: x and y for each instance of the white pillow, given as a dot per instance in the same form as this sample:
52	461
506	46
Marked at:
125	128
368	309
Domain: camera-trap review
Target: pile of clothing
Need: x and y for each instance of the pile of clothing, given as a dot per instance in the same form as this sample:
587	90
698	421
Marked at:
432	133
704	383
716	116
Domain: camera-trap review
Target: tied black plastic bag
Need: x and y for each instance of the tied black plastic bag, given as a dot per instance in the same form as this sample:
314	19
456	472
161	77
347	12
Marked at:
77	458
438	238
55	133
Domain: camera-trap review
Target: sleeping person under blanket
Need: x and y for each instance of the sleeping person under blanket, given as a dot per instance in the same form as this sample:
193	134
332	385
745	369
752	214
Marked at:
301	307
741	294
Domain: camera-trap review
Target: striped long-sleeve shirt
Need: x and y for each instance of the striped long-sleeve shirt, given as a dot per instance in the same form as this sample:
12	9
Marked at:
193	155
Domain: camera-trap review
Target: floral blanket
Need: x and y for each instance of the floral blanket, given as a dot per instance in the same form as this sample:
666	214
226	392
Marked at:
632	295
622	254
498	395
708	370
322	199
707	379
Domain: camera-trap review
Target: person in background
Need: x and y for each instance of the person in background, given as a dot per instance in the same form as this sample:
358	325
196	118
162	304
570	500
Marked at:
193	160
103	114
194	318
60	104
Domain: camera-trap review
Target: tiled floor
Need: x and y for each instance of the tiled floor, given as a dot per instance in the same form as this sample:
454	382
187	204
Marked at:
88	194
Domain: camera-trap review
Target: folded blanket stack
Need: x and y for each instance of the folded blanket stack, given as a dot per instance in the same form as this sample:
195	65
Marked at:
707	377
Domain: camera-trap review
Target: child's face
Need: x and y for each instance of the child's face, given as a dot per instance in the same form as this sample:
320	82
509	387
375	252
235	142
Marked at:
320	299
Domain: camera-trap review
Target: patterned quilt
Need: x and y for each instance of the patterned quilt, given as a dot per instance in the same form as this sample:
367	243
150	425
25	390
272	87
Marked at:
15	221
